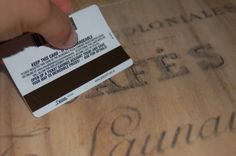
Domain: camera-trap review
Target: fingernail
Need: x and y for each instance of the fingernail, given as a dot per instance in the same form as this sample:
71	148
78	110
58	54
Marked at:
72	40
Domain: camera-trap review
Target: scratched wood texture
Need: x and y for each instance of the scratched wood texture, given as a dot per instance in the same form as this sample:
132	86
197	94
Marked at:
178	99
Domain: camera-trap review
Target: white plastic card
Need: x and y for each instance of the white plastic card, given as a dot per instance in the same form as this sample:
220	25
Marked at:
48	78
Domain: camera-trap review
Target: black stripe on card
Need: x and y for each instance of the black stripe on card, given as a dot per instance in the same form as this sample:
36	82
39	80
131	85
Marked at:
38	40
72	80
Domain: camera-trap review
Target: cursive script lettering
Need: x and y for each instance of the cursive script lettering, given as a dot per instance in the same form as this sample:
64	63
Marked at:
116	117
125	125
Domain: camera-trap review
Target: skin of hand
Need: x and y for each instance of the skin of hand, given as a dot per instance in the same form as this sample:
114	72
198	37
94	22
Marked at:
64	5
45	17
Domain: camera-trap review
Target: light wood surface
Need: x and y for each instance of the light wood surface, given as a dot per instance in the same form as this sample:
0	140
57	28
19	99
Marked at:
178	99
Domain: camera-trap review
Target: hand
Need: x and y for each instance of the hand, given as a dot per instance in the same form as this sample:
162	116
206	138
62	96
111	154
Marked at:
64	5
37	16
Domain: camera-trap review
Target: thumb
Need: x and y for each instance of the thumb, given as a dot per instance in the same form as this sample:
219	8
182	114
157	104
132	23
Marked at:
57	29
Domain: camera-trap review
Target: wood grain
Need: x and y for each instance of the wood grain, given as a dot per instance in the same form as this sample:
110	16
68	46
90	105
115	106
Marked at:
178	99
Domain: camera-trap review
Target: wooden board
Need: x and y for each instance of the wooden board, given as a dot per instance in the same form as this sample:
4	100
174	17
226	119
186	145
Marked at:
178	99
